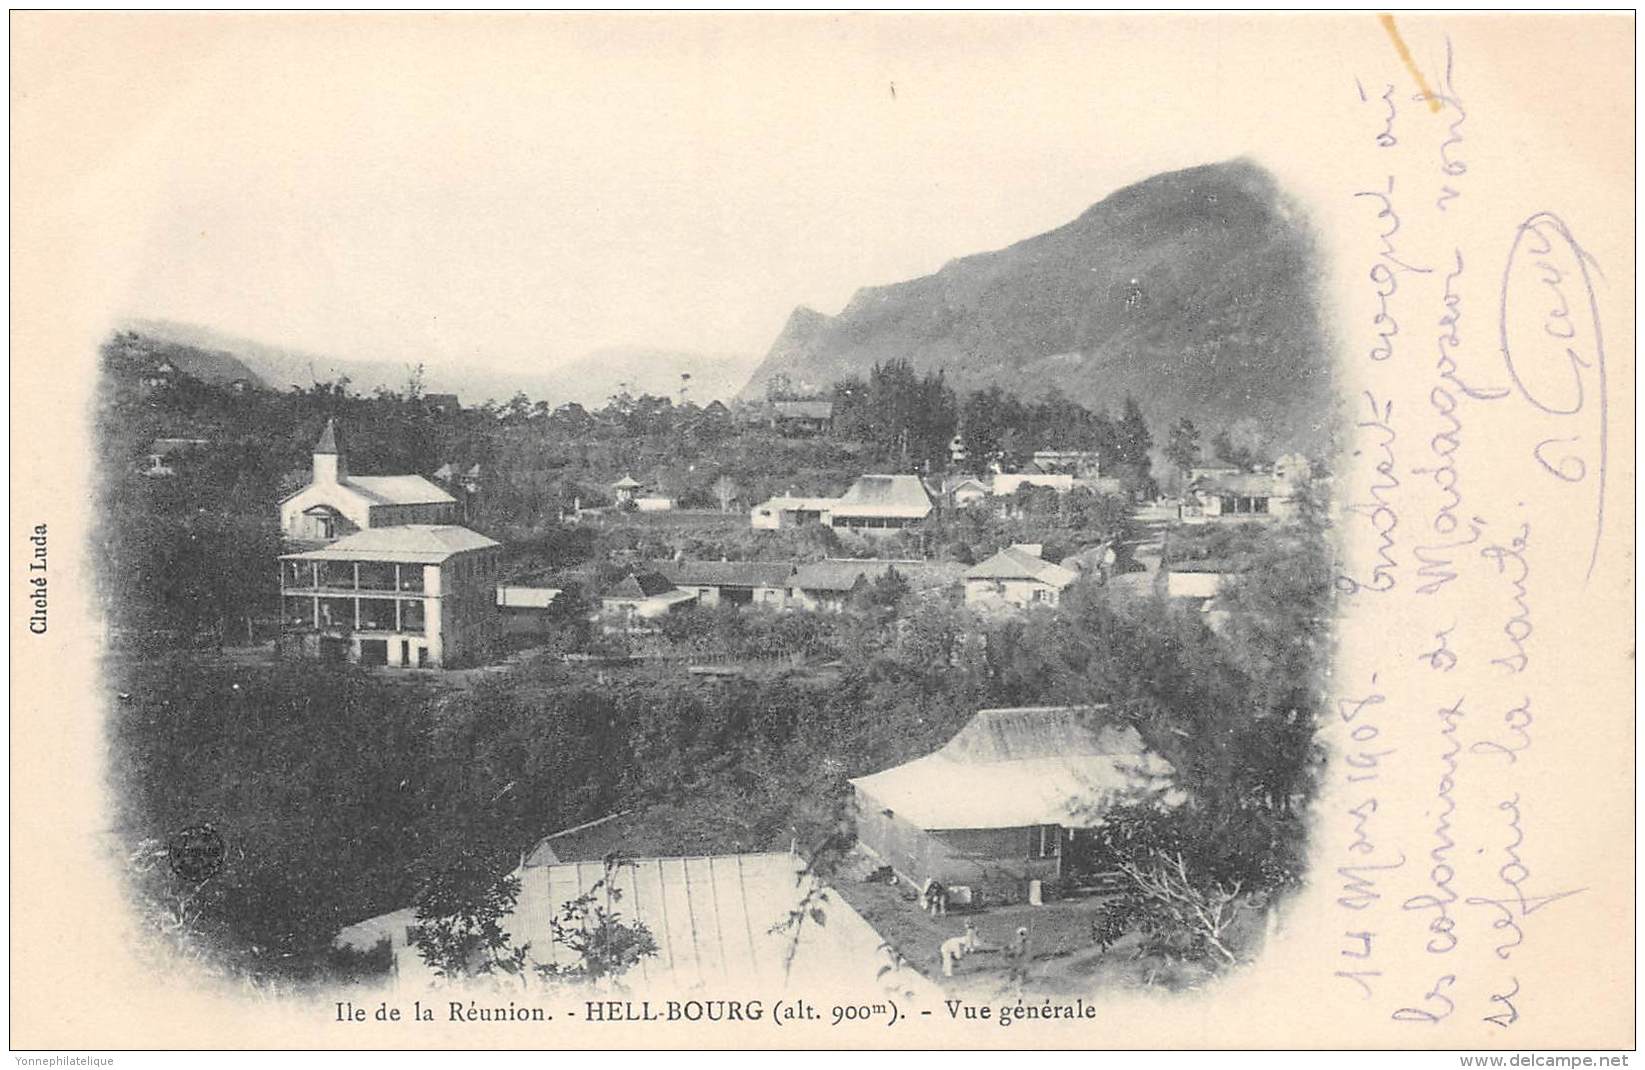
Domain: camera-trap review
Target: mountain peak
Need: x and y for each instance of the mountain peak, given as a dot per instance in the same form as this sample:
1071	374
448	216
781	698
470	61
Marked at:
1191	290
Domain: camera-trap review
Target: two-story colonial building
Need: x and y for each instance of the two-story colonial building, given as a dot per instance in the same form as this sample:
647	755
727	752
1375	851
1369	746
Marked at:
411	595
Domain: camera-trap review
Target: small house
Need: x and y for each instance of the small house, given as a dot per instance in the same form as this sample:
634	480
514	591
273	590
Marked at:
1010	482
164	454
1016	578
631	605
735	583
995	810
526	610
800	419
968	491
1239	496
1081	464
788	511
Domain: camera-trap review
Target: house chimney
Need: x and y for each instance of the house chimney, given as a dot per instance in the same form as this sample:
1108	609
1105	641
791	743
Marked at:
330	466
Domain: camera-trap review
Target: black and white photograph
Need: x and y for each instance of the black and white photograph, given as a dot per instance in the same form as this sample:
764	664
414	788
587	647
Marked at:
840	531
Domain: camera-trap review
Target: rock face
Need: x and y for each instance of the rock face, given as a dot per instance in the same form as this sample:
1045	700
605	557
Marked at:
1193	291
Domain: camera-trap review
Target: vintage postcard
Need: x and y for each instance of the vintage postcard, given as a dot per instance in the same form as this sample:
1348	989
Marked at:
822	531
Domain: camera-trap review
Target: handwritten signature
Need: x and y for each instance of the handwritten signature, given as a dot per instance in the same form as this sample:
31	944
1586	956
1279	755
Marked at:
1555	352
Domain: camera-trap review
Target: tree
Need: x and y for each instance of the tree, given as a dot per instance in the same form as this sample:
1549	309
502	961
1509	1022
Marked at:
459	932
591	927
1183	448
726	490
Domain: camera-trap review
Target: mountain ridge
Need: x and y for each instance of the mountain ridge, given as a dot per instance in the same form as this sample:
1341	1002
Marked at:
1192	291
588	380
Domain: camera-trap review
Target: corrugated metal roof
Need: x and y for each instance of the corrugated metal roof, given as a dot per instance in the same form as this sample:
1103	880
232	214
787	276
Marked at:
400	490
415	543
711	916
728	573
789	502
1009	768
527	597
1244	484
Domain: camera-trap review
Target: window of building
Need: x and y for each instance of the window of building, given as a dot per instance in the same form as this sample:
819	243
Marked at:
1045	841
411	615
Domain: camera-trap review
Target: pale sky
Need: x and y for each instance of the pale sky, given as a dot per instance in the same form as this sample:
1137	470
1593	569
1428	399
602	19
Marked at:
518	190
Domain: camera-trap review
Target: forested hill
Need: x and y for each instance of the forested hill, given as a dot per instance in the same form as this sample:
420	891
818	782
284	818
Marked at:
1193	291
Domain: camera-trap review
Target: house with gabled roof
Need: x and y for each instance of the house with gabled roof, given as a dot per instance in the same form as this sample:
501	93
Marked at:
633	603
336	502
1016	578
999	806
1224	496
801	418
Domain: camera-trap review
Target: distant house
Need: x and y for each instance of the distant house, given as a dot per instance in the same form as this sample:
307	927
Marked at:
625	489
968	491
1010	482
1016	578
738	583
802	418
1236	496
164	453
788	511
1081	464
634	602
999	806
1212	469
471	479
828	585
957	453
410	595
442	403
526	610
880	505
336	502
241	385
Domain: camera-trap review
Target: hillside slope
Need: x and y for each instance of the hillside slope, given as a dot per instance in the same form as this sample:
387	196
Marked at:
1192	291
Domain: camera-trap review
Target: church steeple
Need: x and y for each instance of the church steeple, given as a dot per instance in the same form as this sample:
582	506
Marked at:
330	465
